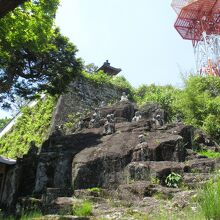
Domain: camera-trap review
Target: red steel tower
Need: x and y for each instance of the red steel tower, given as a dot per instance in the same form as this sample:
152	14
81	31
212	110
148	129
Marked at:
199	21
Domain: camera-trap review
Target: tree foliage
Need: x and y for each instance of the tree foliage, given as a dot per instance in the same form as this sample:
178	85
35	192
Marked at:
199	103
166	96
34	56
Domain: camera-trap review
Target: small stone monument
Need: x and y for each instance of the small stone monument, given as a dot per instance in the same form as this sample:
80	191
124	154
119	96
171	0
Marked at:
137	117
140	152
95	121
58	131
103	104
81	124
109	126
159	121
124	97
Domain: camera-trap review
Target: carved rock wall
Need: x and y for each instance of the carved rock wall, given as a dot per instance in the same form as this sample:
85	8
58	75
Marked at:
83	94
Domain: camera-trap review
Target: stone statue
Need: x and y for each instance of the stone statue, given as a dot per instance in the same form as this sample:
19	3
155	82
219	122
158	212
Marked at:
178	118
160	112
102	105
112	118
137	117
57	131
140	152
95	121
159	120
148	125
109	126
97	112
80	124
41	177
124	97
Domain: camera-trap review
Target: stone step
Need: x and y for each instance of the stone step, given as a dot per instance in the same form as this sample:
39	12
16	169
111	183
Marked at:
53	193
195	180
203	165
152	170
61	205
61	217
91	192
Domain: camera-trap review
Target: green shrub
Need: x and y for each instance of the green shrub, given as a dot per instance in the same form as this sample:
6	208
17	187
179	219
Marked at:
95	190
83	210
173	180
209	200
101	78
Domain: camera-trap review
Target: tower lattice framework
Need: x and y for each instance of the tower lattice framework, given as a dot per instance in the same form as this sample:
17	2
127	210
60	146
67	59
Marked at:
199	21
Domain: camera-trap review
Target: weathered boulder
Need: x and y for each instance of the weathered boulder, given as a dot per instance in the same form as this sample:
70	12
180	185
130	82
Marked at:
203	165
55	159
150	110
185	131
20	180
165	147
123	111
104	165
151	170
195	180
50	197
135	190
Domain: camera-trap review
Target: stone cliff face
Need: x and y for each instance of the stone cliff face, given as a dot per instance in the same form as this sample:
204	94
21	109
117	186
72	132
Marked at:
107	165
82	95
88	158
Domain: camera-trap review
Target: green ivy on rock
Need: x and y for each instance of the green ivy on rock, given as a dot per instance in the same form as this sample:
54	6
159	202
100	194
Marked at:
33	125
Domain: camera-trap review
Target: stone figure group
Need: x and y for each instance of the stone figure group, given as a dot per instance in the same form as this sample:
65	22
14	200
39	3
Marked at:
97	121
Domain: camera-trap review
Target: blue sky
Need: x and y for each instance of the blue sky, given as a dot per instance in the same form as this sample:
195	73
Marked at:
136	36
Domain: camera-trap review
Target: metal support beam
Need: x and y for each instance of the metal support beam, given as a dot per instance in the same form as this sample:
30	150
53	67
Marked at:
207	54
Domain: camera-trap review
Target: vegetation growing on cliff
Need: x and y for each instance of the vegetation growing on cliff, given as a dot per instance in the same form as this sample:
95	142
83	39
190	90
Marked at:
198	103
4	122
101	78
31	126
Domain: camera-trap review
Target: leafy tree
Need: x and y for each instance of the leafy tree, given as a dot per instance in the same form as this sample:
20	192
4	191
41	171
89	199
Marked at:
199	103
90	68
34	56
163	95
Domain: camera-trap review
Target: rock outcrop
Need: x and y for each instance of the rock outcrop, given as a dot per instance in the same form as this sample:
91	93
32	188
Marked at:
82	95
88	159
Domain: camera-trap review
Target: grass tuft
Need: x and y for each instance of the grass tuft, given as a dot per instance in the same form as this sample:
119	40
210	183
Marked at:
83	210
